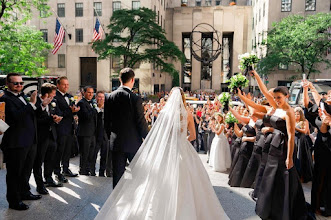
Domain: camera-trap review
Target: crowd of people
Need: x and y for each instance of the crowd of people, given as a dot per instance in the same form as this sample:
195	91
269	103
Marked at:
47	129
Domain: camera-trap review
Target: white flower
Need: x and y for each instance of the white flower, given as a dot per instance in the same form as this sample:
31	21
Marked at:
72	99
95	105
53	104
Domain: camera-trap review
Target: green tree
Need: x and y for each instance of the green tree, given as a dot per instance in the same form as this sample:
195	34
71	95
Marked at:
298	41
22	50
137	38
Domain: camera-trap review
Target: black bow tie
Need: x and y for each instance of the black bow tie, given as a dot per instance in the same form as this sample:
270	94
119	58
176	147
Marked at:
20	95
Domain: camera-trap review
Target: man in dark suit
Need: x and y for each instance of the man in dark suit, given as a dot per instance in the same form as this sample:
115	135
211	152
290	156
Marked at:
46	119
124	117
102	141
87	123
19	142
64	129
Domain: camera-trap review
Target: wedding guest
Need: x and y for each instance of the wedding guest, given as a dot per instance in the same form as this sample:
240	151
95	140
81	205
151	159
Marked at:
87	124
19	142
64	129
46	133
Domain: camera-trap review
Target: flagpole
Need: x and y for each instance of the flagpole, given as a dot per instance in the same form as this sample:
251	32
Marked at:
103	28
57	17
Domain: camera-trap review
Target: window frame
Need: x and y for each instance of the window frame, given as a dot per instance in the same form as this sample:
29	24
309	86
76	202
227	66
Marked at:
116	3
59	61
307	2
79	11
77	35
286	3
62	8
44	31
133	3
95	9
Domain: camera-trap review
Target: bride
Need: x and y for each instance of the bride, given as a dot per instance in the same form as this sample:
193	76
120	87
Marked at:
220	156
166	179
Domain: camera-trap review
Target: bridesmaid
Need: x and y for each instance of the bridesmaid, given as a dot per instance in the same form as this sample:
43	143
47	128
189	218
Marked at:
303	157
321	186
281	194
245	151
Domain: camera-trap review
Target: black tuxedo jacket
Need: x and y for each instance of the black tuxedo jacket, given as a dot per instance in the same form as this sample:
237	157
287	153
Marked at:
101	132
65	127
87	118
21	118
124	115
45	123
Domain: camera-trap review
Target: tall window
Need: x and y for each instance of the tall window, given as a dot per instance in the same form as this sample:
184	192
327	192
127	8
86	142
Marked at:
116	6
218	2
198	2
61	11
310	5
286	5
79	35
135	4
43	12
79	9
61	60
45	34
187	66
97	8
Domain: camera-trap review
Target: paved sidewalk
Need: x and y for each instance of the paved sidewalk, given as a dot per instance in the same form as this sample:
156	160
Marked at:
82	198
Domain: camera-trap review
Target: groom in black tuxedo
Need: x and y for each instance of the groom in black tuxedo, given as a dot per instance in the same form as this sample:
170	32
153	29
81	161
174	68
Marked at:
19	142
124	117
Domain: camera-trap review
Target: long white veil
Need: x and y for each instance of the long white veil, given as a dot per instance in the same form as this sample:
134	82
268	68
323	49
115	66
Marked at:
148	189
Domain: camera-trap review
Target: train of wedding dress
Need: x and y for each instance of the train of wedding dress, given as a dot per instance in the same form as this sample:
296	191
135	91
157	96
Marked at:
166	180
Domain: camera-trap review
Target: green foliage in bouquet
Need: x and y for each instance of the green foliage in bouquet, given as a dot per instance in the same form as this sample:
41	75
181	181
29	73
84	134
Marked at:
224	98
247	60
229	118
238	81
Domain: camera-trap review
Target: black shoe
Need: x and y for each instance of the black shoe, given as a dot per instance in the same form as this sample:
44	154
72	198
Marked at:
51	183
19	206
61	178
30	196
93	174
102	173
42	190
251	194
69	173
85	173
109	174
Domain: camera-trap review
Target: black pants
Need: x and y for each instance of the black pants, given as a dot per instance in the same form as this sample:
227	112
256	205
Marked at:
103	147
63	153
109	163
19	163
45	154
119	162
87	149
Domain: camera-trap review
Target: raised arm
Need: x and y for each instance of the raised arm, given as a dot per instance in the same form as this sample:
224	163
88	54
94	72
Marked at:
305	86
264	89
316	96
240	118
237	131
251	103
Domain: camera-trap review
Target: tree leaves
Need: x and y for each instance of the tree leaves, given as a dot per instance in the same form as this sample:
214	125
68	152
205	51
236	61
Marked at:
298	40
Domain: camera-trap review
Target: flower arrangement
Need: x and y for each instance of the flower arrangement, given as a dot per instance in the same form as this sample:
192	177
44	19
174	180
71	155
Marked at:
229	118
237	81
225	98
247	62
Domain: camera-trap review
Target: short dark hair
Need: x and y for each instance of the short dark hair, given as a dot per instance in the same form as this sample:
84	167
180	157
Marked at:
281	89
47	88
100	91
58	81
9	75
87	87
126	74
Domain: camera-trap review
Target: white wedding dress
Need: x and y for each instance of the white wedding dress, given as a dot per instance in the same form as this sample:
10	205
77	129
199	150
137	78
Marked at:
166	179
220	155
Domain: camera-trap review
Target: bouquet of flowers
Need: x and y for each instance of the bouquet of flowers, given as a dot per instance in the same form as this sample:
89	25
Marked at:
229	118
225	98
247	62
237	81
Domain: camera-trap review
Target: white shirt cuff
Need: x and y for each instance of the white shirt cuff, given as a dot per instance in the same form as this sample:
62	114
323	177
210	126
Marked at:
33	106
98	109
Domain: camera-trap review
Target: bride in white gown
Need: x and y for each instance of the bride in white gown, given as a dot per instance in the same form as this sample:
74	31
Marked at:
220	155
166	179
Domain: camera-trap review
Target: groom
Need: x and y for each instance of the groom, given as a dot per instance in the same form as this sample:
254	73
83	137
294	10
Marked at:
124	118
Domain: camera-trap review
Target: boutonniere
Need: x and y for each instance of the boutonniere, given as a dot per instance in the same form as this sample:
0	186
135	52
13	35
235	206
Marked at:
72	100
95	105
53	104
27	98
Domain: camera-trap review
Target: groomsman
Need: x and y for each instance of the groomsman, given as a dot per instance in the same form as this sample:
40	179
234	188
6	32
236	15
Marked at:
46	119
124	117
87	123
19	142
102	141
64	129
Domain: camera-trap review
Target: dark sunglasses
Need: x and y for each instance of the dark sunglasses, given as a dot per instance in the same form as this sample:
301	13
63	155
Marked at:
17	83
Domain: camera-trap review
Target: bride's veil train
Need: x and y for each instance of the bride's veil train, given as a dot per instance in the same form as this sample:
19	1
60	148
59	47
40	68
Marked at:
159	174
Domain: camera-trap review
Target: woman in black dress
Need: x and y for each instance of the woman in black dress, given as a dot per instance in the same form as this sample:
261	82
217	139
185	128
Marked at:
321	187
281	194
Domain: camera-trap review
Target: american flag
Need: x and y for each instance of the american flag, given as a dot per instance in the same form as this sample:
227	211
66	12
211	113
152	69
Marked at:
97	34
59	34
